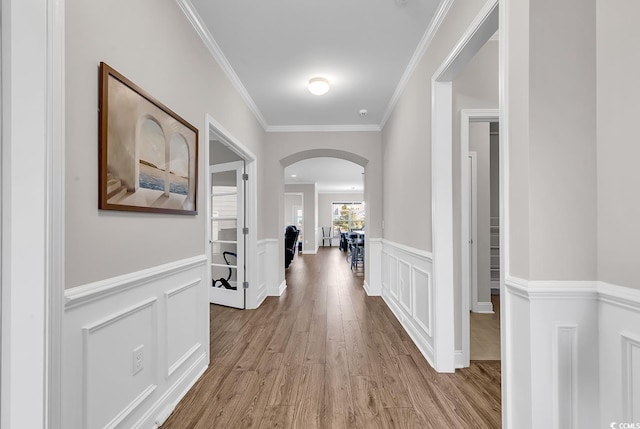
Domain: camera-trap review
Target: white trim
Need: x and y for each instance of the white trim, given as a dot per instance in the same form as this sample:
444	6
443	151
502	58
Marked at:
370	291
199	26
425	348
252	300
168	408
321	128
423	254
565	382
83	295
503	84
476	35
56	212
282	287
424	44
459	359
483	308
629	342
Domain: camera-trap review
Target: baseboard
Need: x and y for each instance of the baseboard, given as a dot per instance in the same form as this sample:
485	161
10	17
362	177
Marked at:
459	360
162	409
370	291
483	308
420	341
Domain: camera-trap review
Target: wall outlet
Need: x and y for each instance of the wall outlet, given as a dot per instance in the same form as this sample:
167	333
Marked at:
138	359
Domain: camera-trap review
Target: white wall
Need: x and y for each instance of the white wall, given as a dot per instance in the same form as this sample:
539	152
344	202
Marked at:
28	144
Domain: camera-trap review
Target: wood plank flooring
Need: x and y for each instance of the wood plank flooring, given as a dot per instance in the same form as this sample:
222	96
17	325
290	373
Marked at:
324	355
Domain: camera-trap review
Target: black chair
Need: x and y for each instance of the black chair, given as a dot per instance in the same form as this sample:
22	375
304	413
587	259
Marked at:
290	244
222	282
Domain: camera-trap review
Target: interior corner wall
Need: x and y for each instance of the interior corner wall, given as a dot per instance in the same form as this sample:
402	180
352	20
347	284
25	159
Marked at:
175	67
618	148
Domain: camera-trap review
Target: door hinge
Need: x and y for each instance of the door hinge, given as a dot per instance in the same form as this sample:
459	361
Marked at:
245	285
245	176
245	231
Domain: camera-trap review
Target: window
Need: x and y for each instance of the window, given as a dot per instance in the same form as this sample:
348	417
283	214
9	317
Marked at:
347	216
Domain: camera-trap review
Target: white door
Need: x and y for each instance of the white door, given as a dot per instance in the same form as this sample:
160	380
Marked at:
227	239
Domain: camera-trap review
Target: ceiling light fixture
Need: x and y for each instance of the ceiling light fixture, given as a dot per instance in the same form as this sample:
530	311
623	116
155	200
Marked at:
318	86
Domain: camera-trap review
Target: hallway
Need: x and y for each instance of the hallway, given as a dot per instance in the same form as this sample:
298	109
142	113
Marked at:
324	355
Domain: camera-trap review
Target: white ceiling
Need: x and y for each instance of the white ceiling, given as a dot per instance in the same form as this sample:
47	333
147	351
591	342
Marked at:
363	47
329	174
270	50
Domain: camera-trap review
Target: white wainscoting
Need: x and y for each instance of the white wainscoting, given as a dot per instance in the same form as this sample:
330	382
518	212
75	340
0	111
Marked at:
163	313
619	310
573	353
373	282
268	271
407	289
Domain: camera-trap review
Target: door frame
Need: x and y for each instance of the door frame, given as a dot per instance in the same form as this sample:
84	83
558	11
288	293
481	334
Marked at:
467	295
478	33
214	128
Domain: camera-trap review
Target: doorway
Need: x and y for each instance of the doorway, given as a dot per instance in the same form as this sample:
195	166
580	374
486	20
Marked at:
227	240
481	241
230	232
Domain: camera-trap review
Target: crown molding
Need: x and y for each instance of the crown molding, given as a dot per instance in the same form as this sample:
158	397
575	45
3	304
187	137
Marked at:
198	24
426	40
320	128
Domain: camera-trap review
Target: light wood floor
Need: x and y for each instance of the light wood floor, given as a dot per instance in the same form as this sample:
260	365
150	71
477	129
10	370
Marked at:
324	355
485	333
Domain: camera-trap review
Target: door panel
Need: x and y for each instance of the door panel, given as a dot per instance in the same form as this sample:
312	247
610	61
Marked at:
227	239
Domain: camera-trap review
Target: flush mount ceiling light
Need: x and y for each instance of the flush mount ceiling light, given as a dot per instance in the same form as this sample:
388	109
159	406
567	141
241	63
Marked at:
318	86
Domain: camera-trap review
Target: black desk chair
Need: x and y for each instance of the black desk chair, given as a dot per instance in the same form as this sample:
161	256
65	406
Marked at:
290	244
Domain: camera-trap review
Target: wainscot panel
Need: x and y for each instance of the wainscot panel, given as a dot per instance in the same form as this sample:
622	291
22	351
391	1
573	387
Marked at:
619	310
573	349
133	345
270	269
407	289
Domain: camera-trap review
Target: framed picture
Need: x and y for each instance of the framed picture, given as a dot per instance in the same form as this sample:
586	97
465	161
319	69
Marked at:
148	155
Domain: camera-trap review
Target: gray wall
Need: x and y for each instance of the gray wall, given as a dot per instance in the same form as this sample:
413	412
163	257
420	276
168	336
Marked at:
479	143
310	214
104	244
552	141
363	148
618	68
406	138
